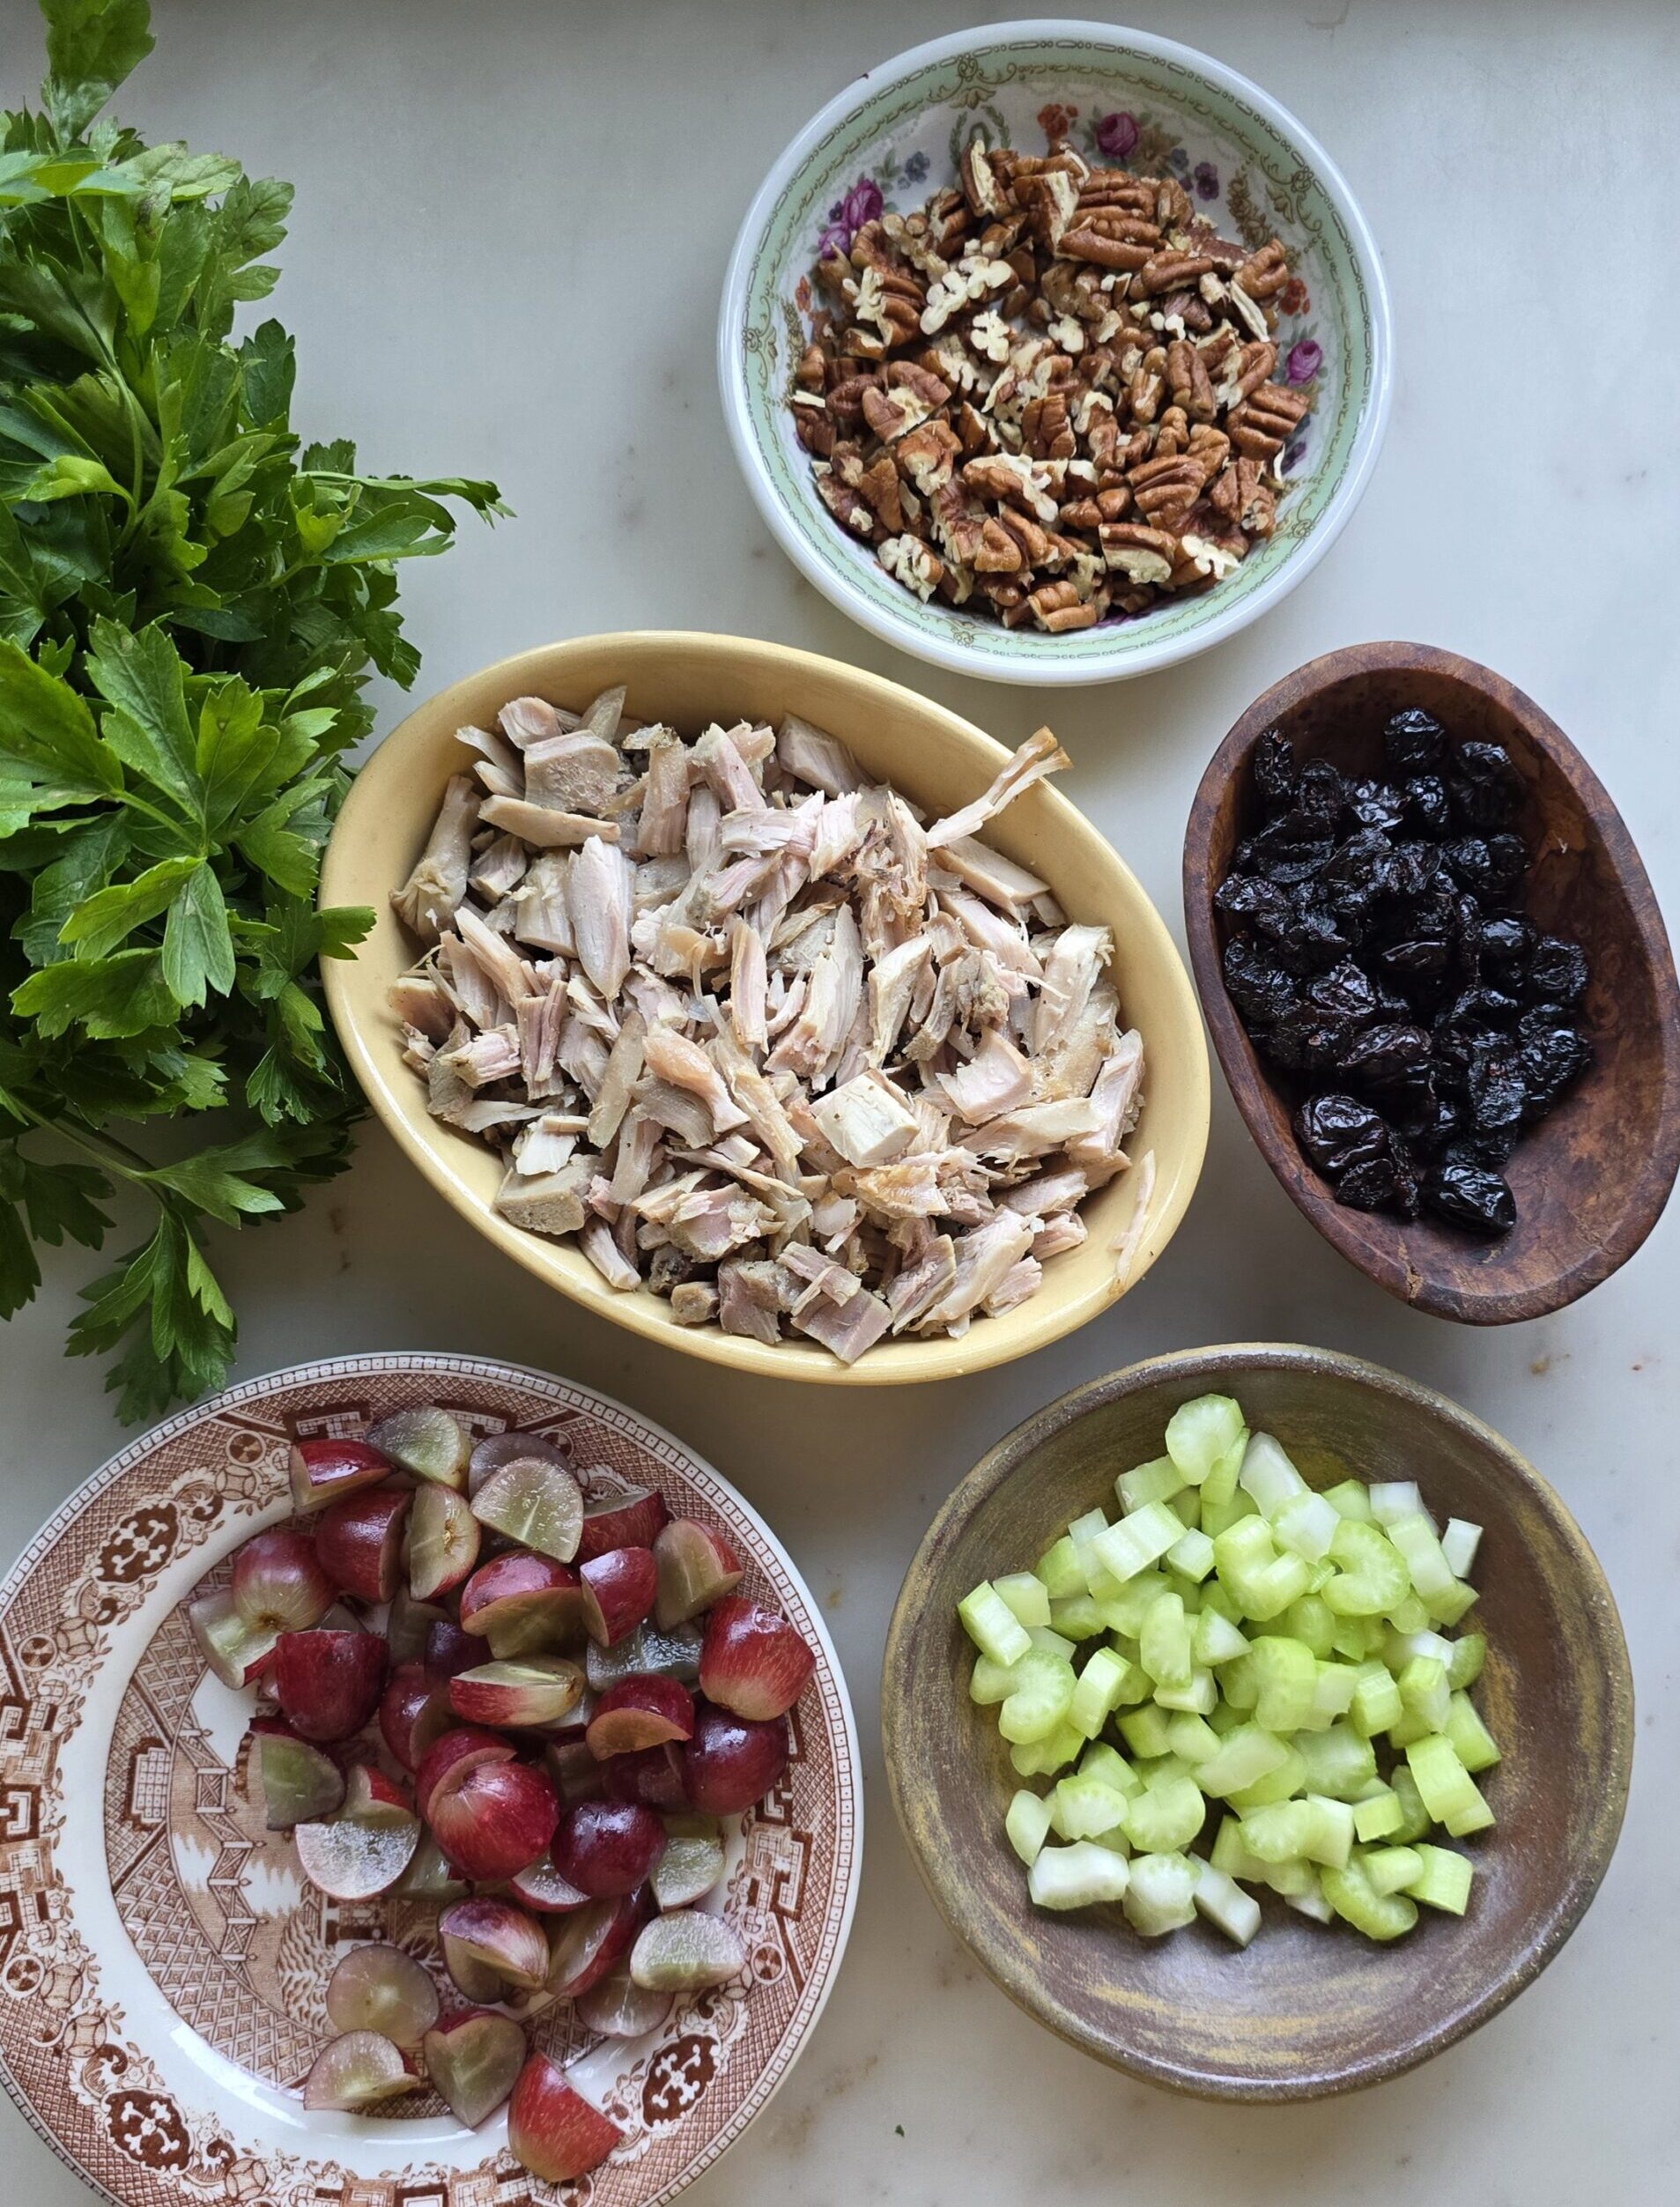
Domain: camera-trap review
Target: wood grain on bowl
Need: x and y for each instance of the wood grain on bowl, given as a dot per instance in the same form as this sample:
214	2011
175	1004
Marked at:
1592	1179
938	761
1309	2008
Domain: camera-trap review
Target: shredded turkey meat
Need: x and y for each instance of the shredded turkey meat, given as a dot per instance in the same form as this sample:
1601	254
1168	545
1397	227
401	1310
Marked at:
755	1034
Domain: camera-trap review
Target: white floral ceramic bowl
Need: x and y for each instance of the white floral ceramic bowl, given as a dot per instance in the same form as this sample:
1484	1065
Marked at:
163	1966
894	136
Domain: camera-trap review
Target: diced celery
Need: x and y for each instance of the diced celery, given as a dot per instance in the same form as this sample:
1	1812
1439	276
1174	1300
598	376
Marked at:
1241	1553
1026	1598
1144	1731
1410	1727
1155	1482
1165	1816
1415	1817
1063	1574
1357	1637
1424	1691
1409	1614
1027	1824
1478	1749
1077	1877
1223	1719
1136	1686
1426	1566
1161	1893
1339	1762
1077	1616
1277	1832
1107	1763
1376	1703
1219	1489
1126	1608
1040	1701
1447	1788
1237	1684
1200	1433
1459	1545
1216	1639
1370	1576
1443	1880
1277	1785
1083	1808
1163	1642
1393	1868
1192	1556
1223	1901
1229	1853
1306	1524
1219	1513
1186	1506
1398	1648
1455	1603
1280	1582
1097	1692
1351	1498
1043	1758
1392	1500
991	1682
1285	1675
1192	1737
1049	1642
1379	1815
1333	1690
1137	1541
1351	1894
1319	1576
992	1626
1267	1475
1331	1841
1313	1620
1198	1697
1245	1756
1312	1904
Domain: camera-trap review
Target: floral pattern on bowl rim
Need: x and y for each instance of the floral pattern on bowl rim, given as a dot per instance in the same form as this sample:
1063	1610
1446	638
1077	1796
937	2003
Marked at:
887	142
162	1965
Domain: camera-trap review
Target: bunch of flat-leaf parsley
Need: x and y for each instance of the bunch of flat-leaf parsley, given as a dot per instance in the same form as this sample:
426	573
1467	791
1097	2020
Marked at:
189	606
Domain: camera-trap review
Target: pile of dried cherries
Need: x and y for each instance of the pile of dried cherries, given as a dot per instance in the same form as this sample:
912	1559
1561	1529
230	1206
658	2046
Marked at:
1380	955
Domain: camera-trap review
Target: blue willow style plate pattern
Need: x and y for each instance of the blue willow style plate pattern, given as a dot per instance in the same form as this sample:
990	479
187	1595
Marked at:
895	137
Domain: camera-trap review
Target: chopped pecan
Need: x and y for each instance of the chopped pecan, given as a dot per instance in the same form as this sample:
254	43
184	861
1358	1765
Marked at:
1165	489
811	374
1265	274
980	187
927	455
917	566
1169	270
1187	376
844	503
1141	555
1267	419
1111	239
1058	607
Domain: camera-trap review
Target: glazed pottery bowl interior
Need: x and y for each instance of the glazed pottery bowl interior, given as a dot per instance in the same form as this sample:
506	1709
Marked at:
1308	2008
1118	96
1592	1178
167	1962
936	760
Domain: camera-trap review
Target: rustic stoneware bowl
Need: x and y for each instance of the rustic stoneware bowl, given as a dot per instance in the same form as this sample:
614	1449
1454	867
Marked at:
1591	1180
163	1976
1309	2008
895	136
937	760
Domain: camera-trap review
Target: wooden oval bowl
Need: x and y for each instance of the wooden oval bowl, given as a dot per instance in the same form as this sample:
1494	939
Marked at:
937	760
1309	2008
1591	1180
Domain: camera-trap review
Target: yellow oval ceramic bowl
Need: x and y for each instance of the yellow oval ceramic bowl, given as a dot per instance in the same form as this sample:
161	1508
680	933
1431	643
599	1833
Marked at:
940	762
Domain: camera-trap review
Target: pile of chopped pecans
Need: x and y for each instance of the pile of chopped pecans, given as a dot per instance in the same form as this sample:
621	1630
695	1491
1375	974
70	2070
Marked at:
757	1035
1048	396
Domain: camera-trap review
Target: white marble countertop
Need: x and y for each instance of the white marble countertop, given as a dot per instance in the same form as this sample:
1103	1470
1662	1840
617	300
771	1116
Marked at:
511	227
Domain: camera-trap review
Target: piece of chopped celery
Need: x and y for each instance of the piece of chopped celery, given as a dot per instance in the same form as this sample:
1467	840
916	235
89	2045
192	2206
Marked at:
992	1626
1312	1619
1077	1877
1163	1642
1409	1614
1161	1893
1424	1692
1443	1880
1278	1832
1166	1815
1392	1868
1333	1690
1061	1571
1398	1648
1193	1739
1370	1578
1285	1675
1038	1703
1378	1815
1044	1758
1277	1785
1268	1476
1357	1638
1157	1481
1392	1500
1223	1901
1050	1643
1126	1608
1096	1692
1478	1749
1357	1901
1107	1763
1339	1762
1349	1497
1083	1807
990	1682
1220	1512
1186	1506
1077	1618
1137	1541
1219	1491
1457	1602
1199	1696
1306	1524
1331	1832
1144	1731
1459	1545
1192	1556
1200	1433
1025	1596
1415	1818
1420	1550
1311	1903
1027	1822
1445	1788
1216	1639
1245	1756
